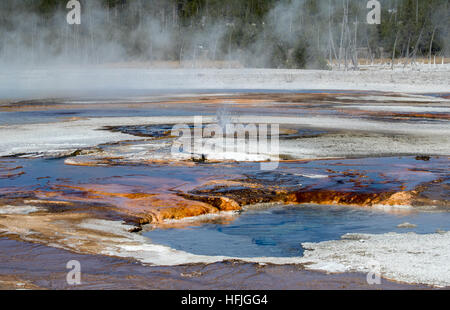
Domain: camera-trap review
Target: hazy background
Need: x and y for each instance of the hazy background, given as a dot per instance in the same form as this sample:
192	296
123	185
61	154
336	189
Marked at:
251	33
41	55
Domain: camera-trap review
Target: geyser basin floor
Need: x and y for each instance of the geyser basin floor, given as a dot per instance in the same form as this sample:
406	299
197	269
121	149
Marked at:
279	231
94	170
38	266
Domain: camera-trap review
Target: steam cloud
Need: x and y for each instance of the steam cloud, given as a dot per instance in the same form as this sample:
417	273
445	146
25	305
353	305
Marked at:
152	33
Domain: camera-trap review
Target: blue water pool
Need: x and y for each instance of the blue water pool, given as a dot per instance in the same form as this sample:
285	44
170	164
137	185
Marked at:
279	231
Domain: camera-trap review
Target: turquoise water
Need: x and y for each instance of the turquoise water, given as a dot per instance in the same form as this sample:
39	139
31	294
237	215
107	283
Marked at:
279	231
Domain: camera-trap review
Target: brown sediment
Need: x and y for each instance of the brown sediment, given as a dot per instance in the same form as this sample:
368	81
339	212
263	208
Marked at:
327	197
10	168
76	232
81	231
127	203
10	171
142	205
73	119
49	202
52	228
157	199
220	203
229	183
94	161
139	208
69	208
412	115
235	99
419	115
11	175
435	193
251	190
179	211
243	196
46	268
10	282
96	193
91	161
249	196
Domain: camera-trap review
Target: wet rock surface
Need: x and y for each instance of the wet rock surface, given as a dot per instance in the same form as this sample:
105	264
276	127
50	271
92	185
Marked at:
48	271
70	170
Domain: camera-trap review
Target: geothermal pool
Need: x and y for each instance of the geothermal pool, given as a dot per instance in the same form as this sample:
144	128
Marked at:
95	178
278	231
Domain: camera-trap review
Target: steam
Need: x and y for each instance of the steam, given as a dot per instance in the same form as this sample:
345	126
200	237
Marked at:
141	32
223	118
150	34
151	31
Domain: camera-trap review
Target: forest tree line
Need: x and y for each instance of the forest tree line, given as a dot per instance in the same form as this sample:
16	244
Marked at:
255	33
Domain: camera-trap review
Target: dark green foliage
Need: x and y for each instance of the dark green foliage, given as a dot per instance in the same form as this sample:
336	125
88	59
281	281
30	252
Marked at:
299	56
257	33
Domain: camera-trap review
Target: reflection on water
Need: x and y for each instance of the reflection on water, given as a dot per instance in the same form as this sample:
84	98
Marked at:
278	232
46	267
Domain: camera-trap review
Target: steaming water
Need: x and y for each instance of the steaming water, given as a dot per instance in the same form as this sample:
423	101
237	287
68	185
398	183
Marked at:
279	231
274	232
223	118
92	106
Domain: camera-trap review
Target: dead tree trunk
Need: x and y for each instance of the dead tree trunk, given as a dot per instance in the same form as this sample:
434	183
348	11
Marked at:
393	51
407	51
342	33
431	43
417	45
